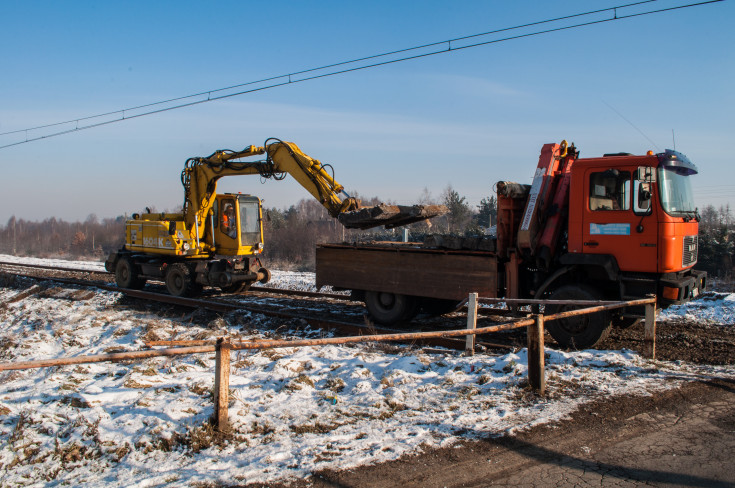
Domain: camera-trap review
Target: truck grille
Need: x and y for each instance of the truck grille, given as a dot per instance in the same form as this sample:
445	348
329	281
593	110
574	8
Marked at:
689	254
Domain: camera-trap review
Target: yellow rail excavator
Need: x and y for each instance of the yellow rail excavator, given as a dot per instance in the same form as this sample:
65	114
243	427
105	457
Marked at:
217	239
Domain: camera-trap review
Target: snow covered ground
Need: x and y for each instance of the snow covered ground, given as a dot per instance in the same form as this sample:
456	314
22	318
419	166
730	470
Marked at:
293	410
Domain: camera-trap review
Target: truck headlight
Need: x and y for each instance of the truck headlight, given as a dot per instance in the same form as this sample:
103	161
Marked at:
186	246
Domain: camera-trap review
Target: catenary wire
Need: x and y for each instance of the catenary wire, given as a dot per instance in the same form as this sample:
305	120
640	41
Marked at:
342	63
288	78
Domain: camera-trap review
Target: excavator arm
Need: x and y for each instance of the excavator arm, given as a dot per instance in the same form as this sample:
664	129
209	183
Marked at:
200	176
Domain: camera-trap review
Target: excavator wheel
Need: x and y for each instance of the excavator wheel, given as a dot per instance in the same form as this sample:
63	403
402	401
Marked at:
180	281
580	332
126	274
391	308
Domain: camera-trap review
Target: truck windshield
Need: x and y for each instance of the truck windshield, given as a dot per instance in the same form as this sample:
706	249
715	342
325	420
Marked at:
249	222
675	188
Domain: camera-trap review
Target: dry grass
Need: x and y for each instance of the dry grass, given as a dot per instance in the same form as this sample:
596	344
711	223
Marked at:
299	382
315	428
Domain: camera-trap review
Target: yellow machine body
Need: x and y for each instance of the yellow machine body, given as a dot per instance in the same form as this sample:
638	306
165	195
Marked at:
233	227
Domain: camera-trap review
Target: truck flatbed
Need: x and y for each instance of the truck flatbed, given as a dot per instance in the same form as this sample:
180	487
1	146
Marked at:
407	269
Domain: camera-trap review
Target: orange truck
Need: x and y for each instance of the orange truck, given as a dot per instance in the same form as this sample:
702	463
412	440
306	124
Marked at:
614	227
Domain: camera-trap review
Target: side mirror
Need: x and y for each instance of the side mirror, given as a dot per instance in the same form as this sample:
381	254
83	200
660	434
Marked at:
644	199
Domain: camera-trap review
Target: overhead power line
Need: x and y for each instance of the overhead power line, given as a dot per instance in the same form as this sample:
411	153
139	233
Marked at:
432	49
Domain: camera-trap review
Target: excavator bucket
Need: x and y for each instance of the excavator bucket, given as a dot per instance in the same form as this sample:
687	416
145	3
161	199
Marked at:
389	215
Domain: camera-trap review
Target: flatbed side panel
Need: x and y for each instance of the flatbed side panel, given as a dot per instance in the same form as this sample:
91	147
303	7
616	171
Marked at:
416	272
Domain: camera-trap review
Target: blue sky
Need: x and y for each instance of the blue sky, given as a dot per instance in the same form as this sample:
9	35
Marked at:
467	119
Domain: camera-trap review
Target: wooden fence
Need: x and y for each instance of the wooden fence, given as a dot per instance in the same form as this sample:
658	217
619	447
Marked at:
534	328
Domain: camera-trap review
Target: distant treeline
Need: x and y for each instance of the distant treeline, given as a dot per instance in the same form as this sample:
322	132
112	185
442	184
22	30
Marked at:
291	234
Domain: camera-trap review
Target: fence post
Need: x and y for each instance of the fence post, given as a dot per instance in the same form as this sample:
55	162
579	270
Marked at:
469	348
221	384
536	362
649	331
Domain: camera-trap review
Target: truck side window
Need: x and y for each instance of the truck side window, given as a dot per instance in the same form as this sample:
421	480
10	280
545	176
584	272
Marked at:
610	190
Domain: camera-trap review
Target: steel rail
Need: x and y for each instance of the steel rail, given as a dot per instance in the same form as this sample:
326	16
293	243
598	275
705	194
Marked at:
54	268
224	307
258	289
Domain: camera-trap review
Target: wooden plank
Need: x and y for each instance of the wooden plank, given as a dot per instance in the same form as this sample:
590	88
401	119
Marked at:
389	215
414	272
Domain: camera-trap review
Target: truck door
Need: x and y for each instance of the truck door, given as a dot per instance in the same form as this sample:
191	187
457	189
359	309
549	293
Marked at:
619	218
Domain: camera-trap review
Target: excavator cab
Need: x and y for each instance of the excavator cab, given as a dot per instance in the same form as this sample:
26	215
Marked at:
237	225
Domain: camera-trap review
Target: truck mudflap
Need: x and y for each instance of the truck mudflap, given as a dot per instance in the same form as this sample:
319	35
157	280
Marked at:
682	287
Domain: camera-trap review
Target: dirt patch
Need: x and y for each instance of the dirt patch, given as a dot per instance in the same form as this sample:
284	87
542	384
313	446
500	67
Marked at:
681	340
675	341
590	448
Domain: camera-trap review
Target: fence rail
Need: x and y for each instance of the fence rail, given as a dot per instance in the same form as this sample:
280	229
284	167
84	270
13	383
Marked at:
534	329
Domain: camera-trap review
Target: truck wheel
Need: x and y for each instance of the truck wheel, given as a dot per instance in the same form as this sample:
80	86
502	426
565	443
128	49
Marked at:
126	274
439	306
180	281
391	308
583	331
626	322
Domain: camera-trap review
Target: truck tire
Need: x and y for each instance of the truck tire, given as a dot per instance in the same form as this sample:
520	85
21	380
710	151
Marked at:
180	281
391	308
439	306
581	332
127	274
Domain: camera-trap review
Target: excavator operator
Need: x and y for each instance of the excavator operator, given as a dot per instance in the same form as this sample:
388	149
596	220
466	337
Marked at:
229	226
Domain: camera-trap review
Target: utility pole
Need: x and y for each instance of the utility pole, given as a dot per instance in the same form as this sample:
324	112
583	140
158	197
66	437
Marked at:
15	242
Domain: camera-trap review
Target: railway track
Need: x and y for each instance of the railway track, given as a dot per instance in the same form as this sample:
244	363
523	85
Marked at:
247	302
256	289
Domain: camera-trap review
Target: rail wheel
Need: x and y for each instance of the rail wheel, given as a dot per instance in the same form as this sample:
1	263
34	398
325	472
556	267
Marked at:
126	274
240	287
180	281
266	275
391	308
582	331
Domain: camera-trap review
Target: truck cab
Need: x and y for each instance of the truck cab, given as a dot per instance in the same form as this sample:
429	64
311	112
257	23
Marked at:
637	214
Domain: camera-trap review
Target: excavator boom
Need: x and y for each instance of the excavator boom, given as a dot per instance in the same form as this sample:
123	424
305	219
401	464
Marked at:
200	177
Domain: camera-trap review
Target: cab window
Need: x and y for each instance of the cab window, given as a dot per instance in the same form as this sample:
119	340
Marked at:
610	190
228	218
